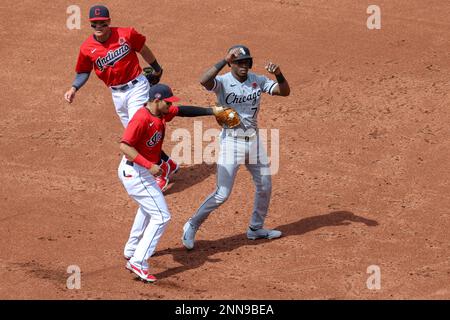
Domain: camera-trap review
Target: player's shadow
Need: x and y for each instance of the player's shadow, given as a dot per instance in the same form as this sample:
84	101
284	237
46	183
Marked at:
188	176
204	249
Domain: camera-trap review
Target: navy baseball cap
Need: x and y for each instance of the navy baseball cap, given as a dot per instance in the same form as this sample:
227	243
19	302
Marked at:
98	13
162	92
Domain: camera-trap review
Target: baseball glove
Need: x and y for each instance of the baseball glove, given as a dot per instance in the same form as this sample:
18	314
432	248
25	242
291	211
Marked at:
226	117
151	75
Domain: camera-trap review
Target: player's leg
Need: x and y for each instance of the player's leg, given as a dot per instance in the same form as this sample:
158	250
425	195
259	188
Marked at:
141	186
137	231
130	180
120	104
224	184
227	167
137	96
153	204
258	166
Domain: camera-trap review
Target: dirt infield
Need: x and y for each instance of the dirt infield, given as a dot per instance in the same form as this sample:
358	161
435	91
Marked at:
364	144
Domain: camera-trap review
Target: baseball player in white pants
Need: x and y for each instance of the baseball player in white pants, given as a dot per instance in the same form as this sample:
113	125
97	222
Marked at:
141	144
242	91
112	53
128	101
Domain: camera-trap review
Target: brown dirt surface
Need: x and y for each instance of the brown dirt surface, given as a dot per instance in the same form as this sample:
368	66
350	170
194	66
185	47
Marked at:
364	172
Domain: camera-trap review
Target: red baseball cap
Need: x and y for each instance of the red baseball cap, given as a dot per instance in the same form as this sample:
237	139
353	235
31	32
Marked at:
98	13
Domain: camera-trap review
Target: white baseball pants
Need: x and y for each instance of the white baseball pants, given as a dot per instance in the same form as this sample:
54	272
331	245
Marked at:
127	102
152	215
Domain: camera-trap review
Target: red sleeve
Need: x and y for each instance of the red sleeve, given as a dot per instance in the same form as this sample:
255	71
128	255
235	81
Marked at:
133	132
137	40
173	112
84	63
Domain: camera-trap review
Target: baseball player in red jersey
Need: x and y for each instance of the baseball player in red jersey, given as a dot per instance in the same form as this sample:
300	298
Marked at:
111	53
141	144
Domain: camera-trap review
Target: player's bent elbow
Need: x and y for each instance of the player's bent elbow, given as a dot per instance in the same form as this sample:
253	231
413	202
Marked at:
207	84
123	147
288	92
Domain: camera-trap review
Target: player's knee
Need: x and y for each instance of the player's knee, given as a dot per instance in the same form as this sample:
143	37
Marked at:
161	217
221	196
167	218
265	187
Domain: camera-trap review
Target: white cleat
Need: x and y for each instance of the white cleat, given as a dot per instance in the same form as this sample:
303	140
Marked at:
188	236
263	234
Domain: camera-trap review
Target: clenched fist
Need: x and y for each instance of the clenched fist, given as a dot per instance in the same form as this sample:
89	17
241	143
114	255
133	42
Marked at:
273	68
155	170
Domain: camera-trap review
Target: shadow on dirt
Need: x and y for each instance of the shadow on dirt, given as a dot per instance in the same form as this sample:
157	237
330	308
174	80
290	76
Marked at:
204	249
187	177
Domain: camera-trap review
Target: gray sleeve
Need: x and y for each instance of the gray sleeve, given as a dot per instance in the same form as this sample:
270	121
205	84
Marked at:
80	80
267	84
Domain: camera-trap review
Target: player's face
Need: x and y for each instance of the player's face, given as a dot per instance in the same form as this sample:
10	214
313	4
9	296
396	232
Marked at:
163	106
100	28
241	67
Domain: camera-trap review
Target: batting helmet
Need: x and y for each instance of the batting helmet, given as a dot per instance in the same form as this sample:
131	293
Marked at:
245	54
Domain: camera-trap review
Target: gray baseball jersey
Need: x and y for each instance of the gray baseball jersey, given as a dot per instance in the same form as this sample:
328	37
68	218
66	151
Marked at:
244	97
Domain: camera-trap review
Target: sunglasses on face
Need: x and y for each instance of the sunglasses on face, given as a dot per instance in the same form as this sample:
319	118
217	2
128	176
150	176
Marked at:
99	25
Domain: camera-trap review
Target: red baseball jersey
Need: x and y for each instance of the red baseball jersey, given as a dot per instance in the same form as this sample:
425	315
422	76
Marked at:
115	61
145	133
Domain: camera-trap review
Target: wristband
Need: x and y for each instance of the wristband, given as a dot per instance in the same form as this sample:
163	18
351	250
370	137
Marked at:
140	160
155	65
280	78
219	65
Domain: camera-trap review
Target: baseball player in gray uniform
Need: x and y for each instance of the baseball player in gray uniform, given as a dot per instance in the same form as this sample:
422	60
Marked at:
241	90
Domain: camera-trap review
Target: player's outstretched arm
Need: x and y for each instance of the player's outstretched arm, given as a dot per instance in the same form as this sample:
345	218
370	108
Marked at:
207	79
282	89
193	111
80	80
225	117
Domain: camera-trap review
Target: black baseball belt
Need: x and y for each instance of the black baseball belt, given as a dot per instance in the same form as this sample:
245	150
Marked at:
125	86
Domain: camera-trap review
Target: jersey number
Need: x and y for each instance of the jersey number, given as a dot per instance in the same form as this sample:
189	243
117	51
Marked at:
254	113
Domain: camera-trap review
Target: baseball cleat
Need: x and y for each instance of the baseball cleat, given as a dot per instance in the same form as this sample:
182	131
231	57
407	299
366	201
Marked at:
163	179
188	235
162	182
128	266
141	273
263	234
126	257
173	166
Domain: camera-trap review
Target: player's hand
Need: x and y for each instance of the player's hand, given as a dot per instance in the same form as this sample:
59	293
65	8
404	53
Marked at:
70	95
273	68
152	76
233	54
217	109
155	170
